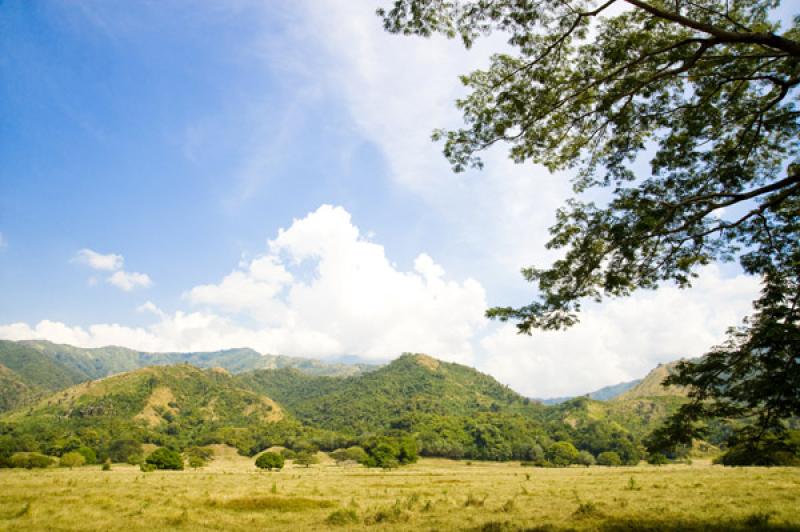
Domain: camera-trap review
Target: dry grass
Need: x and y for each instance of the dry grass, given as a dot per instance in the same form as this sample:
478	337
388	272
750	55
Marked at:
230	494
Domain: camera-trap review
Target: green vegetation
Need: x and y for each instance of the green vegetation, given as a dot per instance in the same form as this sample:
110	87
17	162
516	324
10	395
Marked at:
414	406
270	461
30	369
72	459
430	494
163	458
706	93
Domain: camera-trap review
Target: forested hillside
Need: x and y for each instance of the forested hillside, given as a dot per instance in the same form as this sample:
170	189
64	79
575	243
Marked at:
37	366
449	410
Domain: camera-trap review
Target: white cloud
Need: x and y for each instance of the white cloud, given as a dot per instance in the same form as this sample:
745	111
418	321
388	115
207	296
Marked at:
346	298
127	281
621	339
98	261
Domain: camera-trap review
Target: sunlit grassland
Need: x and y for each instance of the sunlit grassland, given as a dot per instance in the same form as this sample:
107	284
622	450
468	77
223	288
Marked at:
230	494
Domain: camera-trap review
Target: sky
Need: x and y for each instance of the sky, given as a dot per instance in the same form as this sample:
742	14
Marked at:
181	176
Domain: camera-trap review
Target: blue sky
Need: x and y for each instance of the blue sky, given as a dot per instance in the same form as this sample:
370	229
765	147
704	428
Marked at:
200	176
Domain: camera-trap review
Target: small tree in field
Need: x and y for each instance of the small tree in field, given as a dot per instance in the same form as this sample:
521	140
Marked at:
164	458
609	458
270	461
563	453
72	459
305	458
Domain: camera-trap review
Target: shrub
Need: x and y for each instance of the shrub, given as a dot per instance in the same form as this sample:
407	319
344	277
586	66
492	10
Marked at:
196	461
198	456
129	451
88	454
770	451
147	468
72	459
657	459
31	460
164	458
563	453
107	465
270	461
585	458
305	458
357	454
609	458
288	454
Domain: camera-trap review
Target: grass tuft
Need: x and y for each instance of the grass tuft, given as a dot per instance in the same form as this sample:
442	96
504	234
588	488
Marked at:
342	516
278	504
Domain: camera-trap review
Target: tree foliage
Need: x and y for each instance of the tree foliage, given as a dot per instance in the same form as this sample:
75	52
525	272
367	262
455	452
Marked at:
163	458
708	90
270	461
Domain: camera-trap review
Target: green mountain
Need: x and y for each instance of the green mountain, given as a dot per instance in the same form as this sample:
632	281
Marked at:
411	384
103	361
651	385
14	391
168	405
36	369
41	366
449	409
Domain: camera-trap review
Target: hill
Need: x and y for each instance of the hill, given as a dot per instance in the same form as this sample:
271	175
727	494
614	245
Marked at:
36	369
167	405
103	361
411	384
41	366
651	385
603	394
452	410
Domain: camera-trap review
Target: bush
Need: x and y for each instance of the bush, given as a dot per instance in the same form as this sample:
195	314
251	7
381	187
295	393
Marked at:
270	461
781	450
585	458
657	459
609	458
147	468
88	454
164	458
107	465
72	459
357	454
563	453
305	458
31	460
288	454
126	451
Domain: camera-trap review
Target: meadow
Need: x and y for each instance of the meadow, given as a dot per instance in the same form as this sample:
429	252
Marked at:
231	494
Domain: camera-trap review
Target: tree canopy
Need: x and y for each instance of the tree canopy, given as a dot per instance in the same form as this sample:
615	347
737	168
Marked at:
704	89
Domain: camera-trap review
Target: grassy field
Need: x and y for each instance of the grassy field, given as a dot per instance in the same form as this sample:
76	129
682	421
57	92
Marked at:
230	494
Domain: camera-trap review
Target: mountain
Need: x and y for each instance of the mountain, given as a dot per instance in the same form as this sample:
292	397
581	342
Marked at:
103	361
651	385
33	367
603	394
411	384
14	391
178	405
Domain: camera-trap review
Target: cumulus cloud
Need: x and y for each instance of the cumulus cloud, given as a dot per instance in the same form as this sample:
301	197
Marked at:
621	339
98	261
126	281
319	289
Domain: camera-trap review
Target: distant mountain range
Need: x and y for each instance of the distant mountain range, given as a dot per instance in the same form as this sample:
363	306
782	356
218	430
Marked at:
58	396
